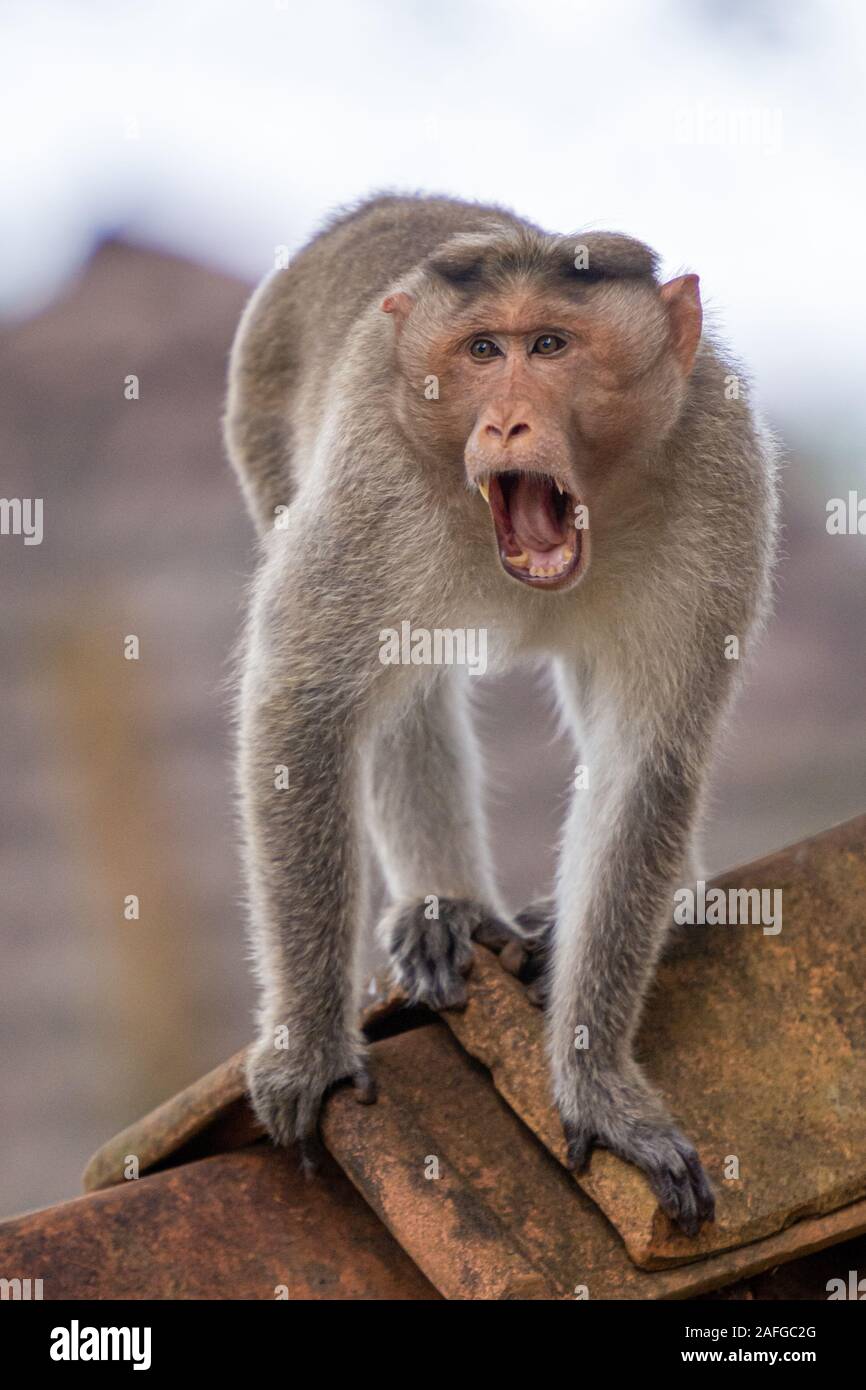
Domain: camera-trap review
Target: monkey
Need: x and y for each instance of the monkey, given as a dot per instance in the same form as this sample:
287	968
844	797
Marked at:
441	414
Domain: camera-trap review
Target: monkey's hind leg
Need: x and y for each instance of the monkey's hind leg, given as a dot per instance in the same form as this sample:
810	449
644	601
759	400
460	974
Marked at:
424	793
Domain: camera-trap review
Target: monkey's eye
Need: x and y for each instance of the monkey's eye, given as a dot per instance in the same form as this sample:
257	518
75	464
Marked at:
482	349
548	344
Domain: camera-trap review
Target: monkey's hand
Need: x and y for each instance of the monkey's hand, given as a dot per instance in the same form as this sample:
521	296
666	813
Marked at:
528	956
622	1113
286	1087
430	956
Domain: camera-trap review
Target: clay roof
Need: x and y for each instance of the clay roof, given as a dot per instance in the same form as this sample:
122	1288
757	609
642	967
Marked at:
452	1184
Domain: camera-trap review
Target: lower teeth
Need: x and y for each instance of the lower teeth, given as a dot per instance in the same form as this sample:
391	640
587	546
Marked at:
521	562
547	571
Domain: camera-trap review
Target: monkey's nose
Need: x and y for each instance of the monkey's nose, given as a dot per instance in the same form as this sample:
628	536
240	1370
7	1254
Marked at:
507	432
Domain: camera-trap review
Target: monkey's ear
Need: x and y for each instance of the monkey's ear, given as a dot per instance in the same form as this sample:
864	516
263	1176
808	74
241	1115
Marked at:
682	300
400	305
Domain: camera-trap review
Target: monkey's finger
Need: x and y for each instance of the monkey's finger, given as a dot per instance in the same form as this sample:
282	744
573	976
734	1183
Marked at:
493	934
446	987
459	956
442	991
407	979
450	994
513	957
364	1085
311	1152
536	993
693	1200
579	1144
527	956
682	1187
676	1198
704	1194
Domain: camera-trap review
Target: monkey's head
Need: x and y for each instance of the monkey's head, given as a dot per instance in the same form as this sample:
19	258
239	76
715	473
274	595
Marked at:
553	367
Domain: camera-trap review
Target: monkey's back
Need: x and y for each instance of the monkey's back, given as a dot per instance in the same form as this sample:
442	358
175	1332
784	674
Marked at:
298	321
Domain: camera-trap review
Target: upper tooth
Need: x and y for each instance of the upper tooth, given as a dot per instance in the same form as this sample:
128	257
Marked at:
560	489
484	489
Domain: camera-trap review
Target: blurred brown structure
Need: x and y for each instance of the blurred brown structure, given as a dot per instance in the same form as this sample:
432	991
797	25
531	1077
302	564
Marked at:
462	1164
117	774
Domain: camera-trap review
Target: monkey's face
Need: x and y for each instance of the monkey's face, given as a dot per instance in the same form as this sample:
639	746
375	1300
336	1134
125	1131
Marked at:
553	404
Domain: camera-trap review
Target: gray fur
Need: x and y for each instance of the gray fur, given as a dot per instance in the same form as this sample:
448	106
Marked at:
382	528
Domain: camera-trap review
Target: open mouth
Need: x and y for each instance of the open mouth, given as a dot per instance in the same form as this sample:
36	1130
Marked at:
536	520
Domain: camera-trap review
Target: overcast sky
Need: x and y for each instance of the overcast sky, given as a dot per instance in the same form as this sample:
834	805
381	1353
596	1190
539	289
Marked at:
727	133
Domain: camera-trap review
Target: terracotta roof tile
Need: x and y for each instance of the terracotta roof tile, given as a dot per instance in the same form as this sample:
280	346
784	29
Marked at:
504	1219
757	1041
236	1225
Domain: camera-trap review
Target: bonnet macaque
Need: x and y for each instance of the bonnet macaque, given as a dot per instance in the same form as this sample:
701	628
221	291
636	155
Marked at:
443	416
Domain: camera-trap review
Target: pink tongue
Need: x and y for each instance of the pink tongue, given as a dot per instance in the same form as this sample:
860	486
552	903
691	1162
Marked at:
532	518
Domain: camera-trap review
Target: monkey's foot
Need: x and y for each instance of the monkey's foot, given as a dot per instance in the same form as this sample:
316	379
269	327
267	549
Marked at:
286	1089
631	1123
429	956
528	958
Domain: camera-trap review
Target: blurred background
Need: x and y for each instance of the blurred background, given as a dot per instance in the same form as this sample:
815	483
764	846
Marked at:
156	158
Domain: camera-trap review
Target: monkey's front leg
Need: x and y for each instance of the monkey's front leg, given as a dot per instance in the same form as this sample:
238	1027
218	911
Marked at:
613	910
301	709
